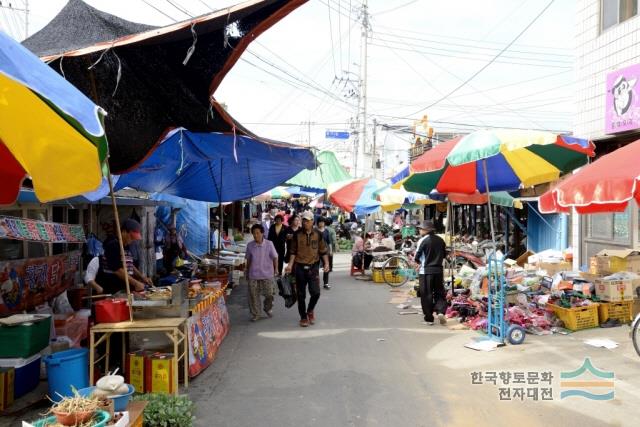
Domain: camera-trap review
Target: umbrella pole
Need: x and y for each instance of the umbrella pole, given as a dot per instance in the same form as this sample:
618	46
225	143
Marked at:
486	185
221	221
119	233
453	243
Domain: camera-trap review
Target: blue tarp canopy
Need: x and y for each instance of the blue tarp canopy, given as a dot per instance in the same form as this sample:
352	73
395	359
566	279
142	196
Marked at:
192	221
216	167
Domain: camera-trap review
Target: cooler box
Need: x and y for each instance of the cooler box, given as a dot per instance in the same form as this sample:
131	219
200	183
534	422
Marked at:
112	311
26	339
27	373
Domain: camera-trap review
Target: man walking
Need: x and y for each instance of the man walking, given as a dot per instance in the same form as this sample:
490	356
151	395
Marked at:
262	265
329	237
430	254
307	246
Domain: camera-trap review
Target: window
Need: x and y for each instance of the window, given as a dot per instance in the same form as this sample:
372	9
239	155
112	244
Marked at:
610	226
613	12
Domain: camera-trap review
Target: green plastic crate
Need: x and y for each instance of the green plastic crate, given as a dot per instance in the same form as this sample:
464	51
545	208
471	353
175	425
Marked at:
25	340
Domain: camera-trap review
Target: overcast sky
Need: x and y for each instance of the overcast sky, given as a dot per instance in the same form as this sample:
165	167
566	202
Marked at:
419	52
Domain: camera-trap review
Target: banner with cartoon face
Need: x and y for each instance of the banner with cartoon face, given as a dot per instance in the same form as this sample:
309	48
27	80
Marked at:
207	329
26	283
622	112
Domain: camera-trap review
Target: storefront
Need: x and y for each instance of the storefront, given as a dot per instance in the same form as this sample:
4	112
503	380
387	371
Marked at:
621	126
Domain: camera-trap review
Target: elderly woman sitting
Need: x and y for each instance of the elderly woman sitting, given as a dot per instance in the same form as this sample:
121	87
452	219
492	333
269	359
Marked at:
361	251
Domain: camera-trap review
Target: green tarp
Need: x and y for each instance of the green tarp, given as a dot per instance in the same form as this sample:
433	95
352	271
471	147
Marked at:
318	179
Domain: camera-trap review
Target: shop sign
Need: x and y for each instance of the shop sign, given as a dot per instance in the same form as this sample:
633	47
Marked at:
27	283
336	134
622	112
207	329
40	231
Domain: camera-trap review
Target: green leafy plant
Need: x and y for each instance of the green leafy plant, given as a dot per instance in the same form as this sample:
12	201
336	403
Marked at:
238	237
167	410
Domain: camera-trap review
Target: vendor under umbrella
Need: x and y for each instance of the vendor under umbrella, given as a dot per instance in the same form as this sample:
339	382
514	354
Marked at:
113	278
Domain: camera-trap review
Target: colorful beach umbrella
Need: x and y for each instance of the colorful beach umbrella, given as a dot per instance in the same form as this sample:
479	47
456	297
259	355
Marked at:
606	185
49	130
499	198
513	159
356	195
278	193
392	199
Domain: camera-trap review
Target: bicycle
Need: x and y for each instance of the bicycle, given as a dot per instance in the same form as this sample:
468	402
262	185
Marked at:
635	330
399	269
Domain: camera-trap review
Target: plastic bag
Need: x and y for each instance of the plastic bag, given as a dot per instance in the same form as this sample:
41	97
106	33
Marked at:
286	290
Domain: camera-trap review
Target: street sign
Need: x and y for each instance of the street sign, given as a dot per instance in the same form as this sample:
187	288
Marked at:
336	134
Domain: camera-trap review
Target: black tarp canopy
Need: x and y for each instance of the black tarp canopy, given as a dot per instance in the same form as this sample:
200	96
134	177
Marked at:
151	80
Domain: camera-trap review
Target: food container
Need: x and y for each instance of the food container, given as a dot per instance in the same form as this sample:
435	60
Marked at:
112	311
25	339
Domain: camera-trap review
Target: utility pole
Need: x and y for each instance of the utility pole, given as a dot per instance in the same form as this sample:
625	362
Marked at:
363	77
308	123
374	157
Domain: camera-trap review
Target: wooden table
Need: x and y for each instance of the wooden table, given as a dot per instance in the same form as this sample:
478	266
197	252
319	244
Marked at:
174	327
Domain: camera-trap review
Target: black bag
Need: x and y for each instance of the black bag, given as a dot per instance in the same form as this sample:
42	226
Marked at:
287	290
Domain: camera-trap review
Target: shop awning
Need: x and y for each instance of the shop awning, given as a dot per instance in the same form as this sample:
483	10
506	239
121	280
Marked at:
216	167
328	171
152	80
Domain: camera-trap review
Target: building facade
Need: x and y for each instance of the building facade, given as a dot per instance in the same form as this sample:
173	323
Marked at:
607	108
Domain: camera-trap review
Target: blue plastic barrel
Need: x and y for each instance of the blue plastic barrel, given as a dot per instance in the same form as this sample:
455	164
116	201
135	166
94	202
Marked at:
67	369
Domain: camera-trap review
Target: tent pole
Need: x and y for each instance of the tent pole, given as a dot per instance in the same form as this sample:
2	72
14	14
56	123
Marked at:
221	220
119	233
486	185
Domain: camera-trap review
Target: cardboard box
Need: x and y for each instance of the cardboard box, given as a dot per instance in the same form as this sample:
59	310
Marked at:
555	267
614	290
610	261
7	378
524	258
159	373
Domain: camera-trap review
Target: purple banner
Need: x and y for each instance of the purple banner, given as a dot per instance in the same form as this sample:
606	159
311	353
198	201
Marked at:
622	112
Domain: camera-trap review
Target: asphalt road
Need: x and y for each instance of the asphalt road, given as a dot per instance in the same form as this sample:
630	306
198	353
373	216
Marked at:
362	364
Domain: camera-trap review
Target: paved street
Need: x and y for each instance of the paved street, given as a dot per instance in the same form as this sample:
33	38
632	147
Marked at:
362	364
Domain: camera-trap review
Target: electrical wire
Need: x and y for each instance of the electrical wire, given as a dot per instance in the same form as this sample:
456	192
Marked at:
460	86
333	54
393	9
180	8
159	10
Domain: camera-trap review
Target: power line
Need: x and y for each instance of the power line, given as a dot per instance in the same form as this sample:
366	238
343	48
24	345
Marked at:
452	51
333	54
488	63
179	8
395	8
159	10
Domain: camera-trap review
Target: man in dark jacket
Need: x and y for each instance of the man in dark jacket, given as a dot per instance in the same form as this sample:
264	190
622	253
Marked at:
430	254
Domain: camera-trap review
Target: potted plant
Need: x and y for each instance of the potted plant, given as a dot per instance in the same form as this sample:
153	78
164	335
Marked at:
167	410
75	410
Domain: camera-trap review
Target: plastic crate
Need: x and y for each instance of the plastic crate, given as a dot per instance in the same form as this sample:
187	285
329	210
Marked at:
577	318
25	340
378	277
617	310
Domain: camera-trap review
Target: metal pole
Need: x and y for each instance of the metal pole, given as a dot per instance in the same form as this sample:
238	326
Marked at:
123	258
486	185
221	221
374	157
365	35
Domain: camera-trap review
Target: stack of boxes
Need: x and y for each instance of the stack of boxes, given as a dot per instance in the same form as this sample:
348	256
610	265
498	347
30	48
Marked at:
20	347
618	293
